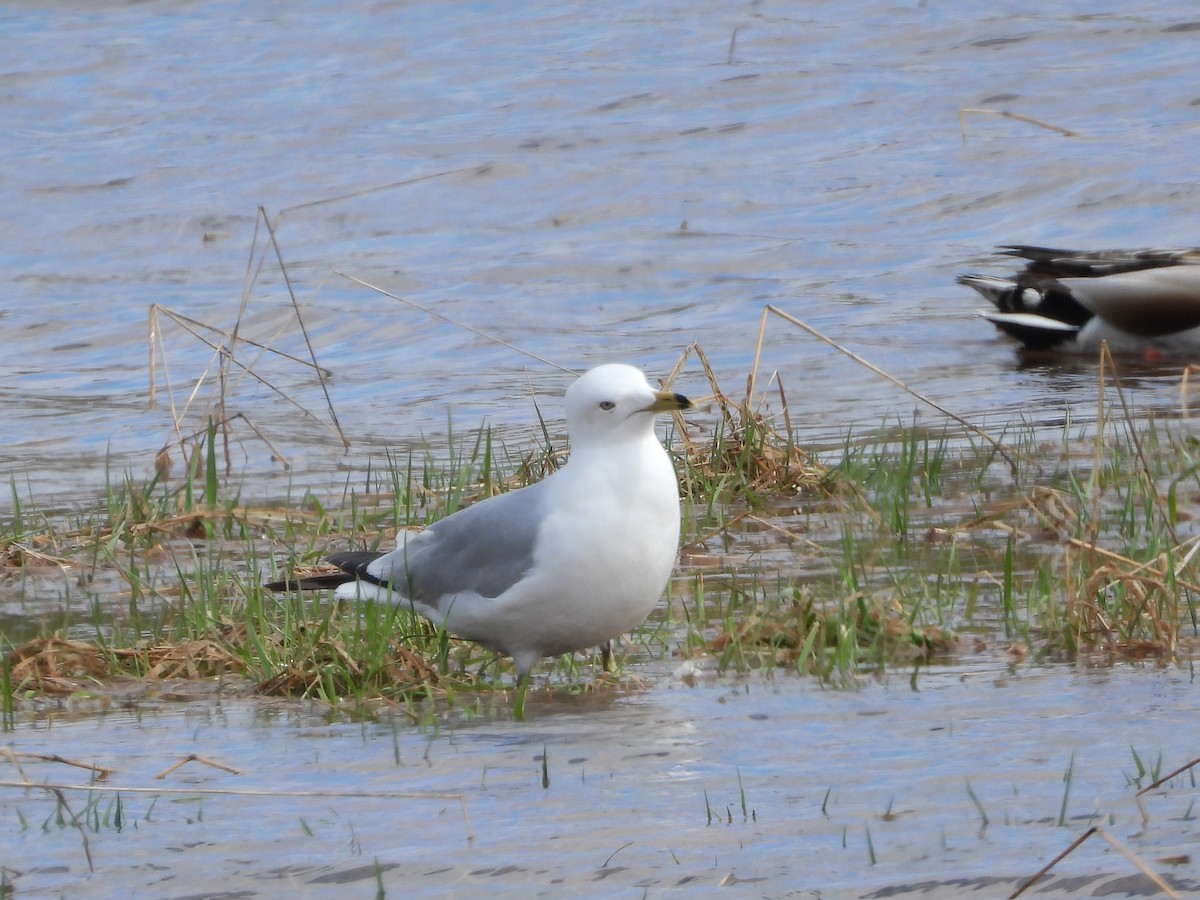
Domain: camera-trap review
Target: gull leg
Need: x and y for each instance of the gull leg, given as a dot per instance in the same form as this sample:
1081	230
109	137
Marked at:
522	690
607	659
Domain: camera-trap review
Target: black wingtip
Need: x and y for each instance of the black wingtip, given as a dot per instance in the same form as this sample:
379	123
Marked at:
353	565
310	582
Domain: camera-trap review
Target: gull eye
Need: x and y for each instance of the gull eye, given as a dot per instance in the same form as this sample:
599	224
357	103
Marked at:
606	405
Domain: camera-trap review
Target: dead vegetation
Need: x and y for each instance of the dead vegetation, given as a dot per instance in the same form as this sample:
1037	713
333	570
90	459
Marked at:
328	665
1070	575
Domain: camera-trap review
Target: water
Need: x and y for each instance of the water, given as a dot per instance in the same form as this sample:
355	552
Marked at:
818	167
589	183
776	783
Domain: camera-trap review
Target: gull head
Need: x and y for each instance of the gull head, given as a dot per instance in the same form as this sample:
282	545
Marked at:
614	401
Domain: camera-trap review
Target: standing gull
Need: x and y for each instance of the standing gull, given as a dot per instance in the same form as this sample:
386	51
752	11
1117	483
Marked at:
561	565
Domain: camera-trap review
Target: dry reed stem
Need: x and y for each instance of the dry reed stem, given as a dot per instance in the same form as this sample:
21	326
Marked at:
224	355
678	367
1184	385
667	382
703	539
457	324
102	772
999	447
1134	582
733	44
1144	463
1037	876
244	792
1159	783
190	325
407	182
1005	114
221	355
1140	580
1129	855
11	558
789	536
195	757
162	459
1136	566
717	395
758	345
1098	460
1137	862
303	328
776	461
152	339
87	847
12	757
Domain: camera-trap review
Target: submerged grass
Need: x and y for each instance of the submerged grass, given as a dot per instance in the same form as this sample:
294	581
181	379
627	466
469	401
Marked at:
936	544
901	548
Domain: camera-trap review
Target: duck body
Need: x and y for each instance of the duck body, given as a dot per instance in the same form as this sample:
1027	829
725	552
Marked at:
1143	302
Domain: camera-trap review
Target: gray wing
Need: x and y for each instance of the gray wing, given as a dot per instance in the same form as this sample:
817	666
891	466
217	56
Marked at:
485	548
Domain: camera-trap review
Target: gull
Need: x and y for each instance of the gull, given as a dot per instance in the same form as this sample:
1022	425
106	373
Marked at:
1141	301
563	564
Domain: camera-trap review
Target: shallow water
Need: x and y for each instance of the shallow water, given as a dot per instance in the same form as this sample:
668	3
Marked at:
530	171
639	794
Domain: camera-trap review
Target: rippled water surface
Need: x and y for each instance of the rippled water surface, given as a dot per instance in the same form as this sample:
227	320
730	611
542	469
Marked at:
586	182
779	788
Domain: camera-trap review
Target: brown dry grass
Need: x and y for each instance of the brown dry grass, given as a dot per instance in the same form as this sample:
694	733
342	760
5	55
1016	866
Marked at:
54	666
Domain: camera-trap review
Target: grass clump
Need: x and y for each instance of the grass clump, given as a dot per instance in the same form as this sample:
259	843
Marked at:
181	568
908	547
753	454
932	551
338	657
829	639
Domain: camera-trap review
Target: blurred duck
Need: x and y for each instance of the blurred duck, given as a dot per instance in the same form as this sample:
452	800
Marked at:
1143	302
